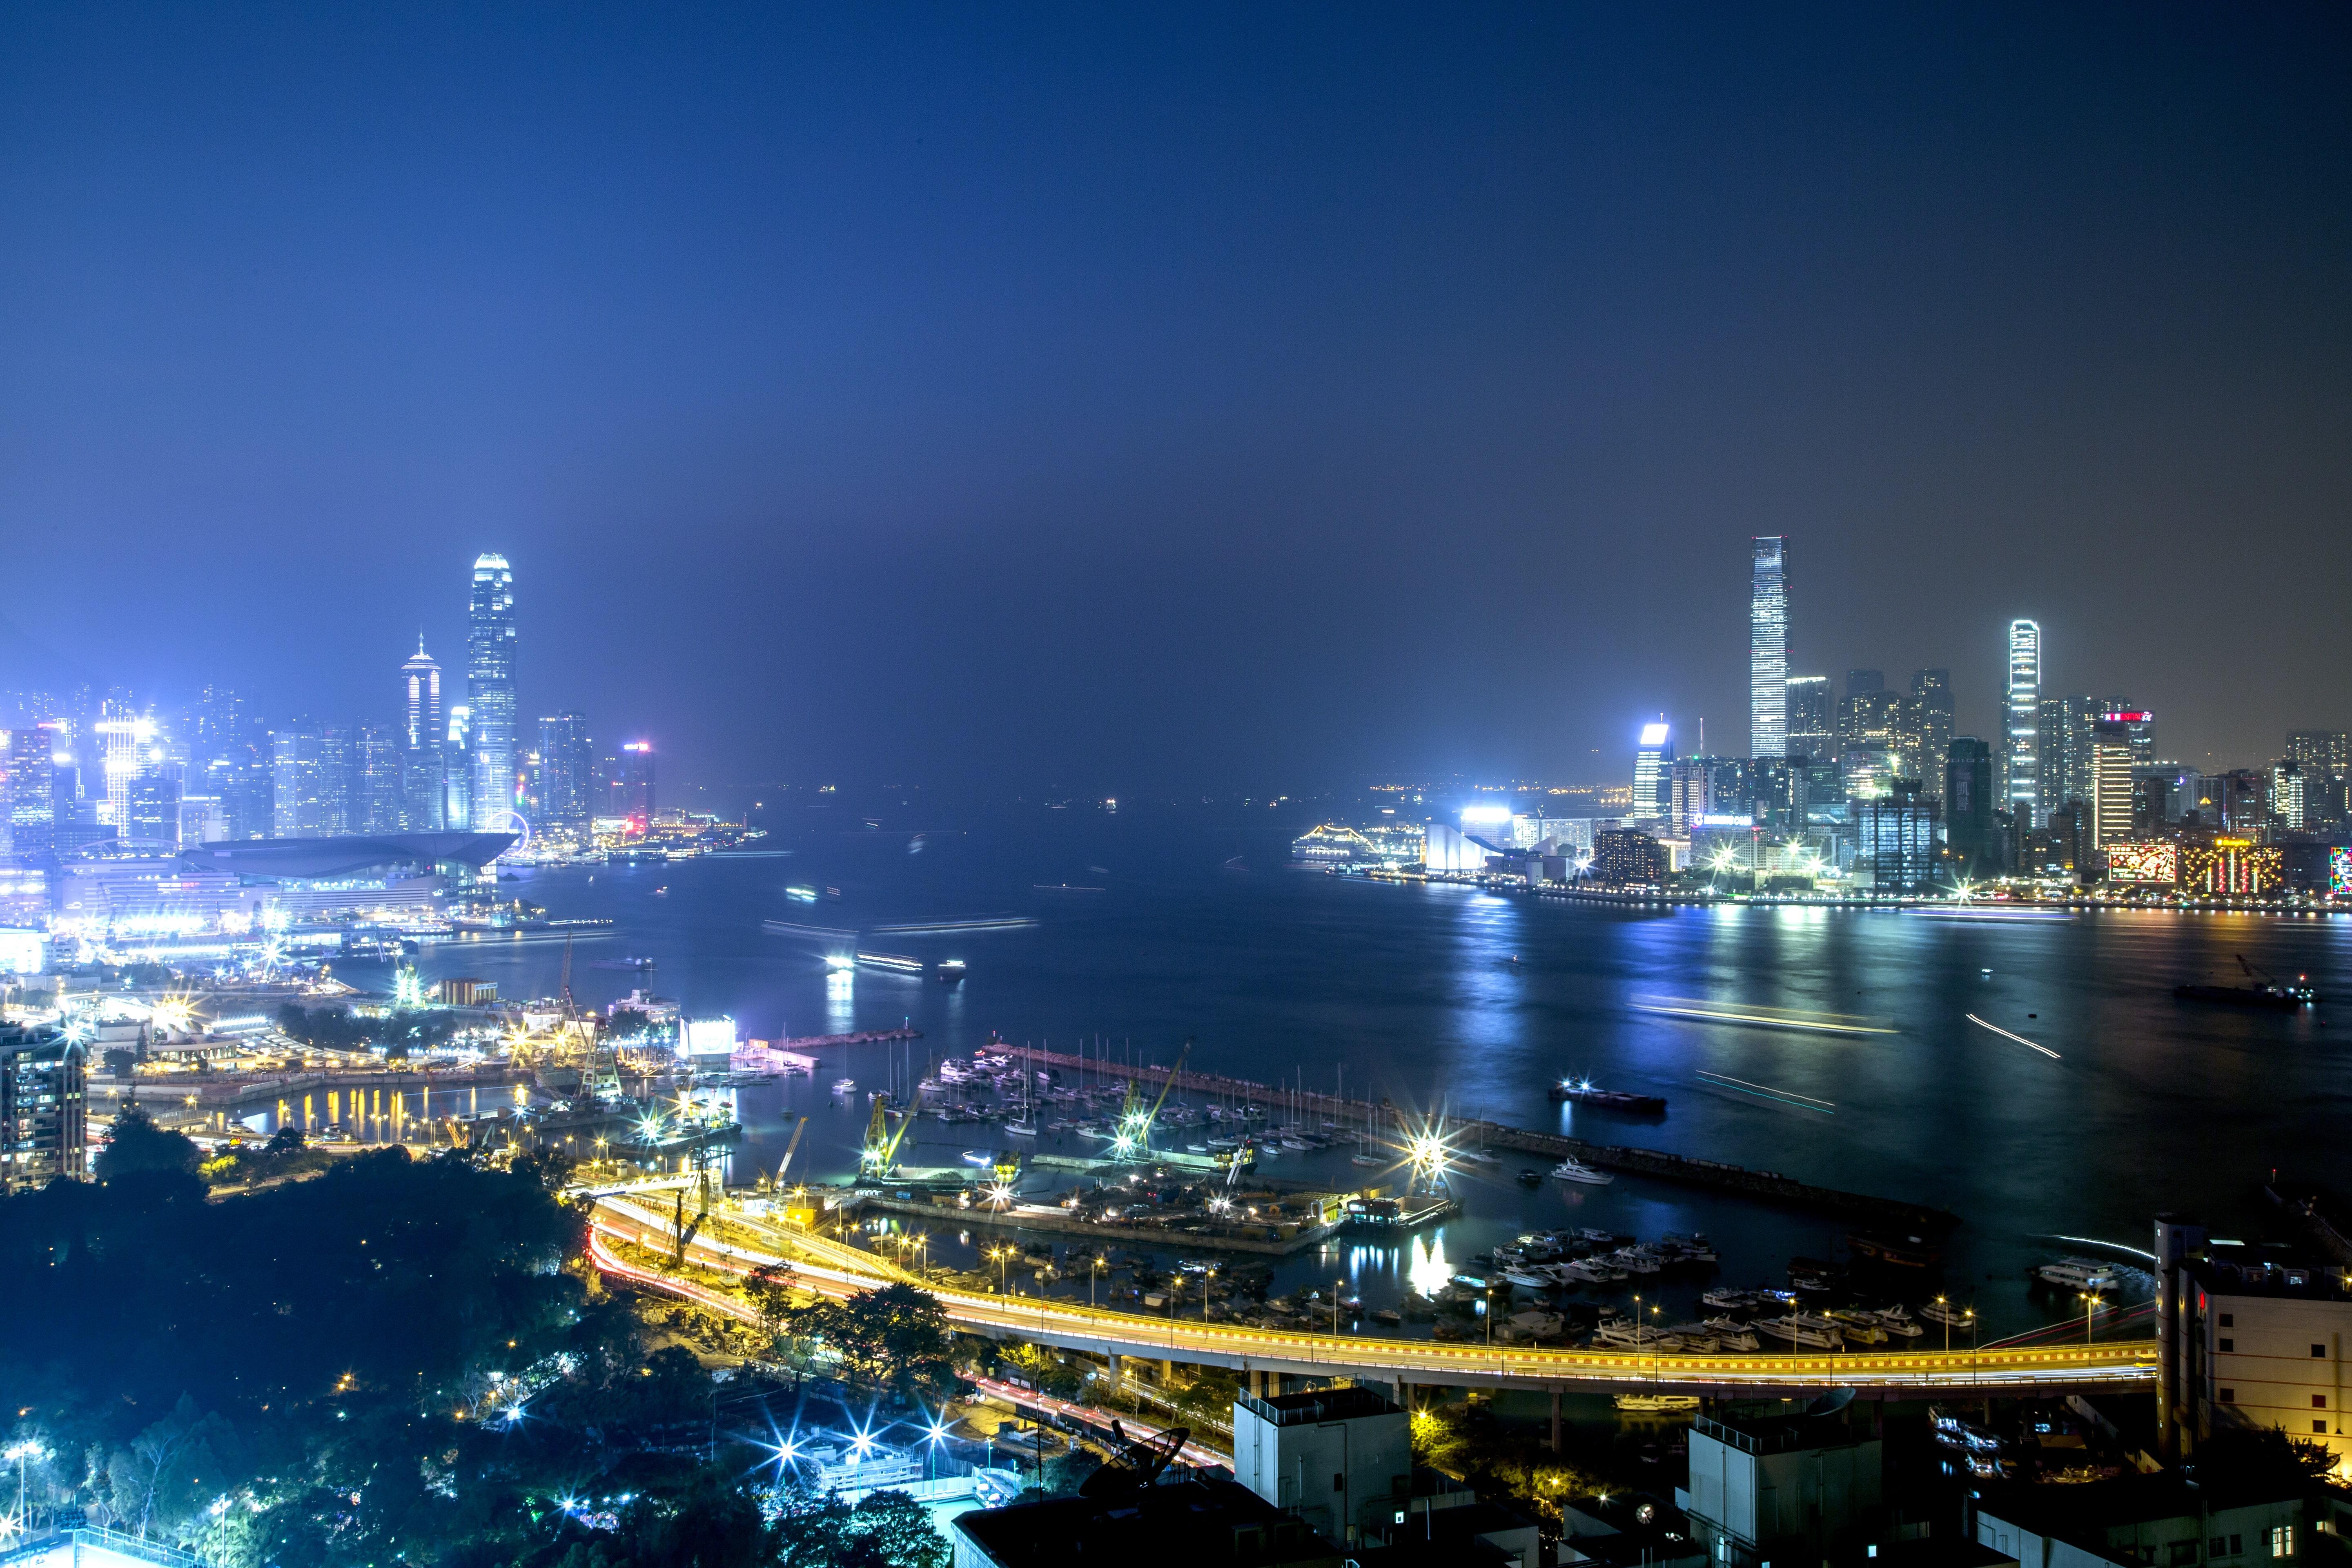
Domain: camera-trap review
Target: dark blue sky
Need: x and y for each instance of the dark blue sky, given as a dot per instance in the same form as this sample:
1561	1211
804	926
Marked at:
1113	398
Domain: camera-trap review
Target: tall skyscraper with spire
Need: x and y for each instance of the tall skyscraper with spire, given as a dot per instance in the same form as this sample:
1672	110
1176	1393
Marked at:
1767	648
2021	746
490	694
420	795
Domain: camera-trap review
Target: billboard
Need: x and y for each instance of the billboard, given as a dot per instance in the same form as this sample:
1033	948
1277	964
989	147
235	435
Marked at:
2339	872
2156	863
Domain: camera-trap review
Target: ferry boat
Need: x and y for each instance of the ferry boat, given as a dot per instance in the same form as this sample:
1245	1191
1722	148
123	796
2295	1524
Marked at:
1575	1170
1656	1403
1582	1092
2078	1274
951	971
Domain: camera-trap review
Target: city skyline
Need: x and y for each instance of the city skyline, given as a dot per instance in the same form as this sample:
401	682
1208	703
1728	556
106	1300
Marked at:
913	417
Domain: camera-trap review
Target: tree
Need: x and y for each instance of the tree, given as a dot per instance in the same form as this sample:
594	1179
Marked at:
1210	1394
136	1144
1048	1370
893	1338
286	1140
888	1529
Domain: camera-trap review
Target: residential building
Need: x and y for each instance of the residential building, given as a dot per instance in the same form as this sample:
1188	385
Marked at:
492	750
377	792
27	793
1337	1458
1627	857
1784	1487
2288	798
2164	1519
1813	718
2020	780
309	787
1928	728
2321	753
43	1108
1767	648
1895	840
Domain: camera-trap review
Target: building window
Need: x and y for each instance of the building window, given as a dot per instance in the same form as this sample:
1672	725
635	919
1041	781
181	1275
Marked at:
2320	1427
2229	1319
2229	1395
2282	1541
2237	1545
2181	1554
2228	1345
2319	1353
2218	1547
2319	1401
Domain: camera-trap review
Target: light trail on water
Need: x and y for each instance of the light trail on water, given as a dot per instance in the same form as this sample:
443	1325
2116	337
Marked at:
2020	1039
1763	1017
1765	1091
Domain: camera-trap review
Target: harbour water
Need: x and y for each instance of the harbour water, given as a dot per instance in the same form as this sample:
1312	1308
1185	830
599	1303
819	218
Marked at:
1837	1046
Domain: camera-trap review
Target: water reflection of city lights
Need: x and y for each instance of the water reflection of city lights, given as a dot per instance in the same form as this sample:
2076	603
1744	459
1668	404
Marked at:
1426	1269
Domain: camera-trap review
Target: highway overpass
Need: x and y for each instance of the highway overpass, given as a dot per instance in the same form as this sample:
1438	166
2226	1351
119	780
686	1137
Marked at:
836	1268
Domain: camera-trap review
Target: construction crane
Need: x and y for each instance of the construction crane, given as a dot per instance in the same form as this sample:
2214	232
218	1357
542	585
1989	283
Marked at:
881	1151
682	1231
790	1149
1135	1126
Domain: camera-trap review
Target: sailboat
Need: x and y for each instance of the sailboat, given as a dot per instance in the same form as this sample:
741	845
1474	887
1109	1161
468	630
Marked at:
1363	1154
1025	1124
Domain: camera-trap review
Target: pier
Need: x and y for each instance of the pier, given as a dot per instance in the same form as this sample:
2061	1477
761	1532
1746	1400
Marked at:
1771	1185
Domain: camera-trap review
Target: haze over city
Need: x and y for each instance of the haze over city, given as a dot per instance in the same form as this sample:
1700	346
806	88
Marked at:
1213	397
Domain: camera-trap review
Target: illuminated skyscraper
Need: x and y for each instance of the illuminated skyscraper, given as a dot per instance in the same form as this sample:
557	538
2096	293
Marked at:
2111	781
422	728
457	767
1650	776
1768	650
1812	718
124	737
567	777
2022	749
491	692
634	785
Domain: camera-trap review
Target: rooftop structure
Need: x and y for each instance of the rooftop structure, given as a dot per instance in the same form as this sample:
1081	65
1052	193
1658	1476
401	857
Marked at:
1191	1523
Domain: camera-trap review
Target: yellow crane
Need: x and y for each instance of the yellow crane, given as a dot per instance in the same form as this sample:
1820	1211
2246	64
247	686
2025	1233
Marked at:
1135	1126
881	1151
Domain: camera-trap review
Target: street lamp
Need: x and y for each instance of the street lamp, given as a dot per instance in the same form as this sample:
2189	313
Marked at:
1094	1272
2091	1300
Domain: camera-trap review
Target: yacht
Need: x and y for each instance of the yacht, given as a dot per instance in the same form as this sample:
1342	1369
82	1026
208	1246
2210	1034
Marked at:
1019	1129
844	1086
2078	1274
1797	1334
1634	1261
1519	1275
1591	1271
1945	1312
1597	1237
1863	1327
1734	1335
1621	1333
1725	1298
1575	1170
1899	1322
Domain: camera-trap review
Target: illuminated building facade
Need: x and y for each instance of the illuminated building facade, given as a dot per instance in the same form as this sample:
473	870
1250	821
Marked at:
490	694
379	779
124	739
2287	797
1895	840
1628	858
2111	782
43	1110
1651	779
422	729
1971	844
2144	862
458	766
1767	648
634	784
567	777
2021	743
1926	728
2321	753
307	783
2232	866
1449	849
27	795
2339	873
1813	718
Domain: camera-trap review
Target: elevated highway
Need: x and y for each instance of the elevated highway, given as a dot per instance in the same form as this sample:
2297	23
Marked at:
836	1269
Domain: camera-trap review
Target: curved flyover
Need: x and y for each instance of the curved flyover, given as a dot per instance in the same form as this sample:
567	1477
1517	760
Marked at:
838	1270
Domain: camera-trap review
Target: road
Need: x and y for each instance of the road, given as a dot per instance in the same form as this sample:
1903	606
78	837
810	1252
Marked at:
838	1270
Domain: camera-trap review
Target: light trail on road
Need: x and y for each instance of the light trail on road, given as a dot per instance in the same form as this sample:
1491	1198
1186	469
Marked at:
838	1270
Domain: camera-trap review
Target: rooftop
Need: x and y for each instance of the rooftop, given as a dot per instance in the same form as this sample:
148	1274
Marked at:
2271	1277
1319	1405
1780	1433
1188	1523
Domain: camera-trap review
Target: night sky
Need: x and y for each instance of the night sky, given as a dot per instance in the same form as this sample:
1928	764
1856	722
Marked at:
1264	398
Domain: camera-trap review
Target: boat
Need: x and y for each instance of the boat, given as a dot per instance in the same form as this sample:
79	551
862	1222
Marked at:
662	891
2278	997
1530	1177
1946	1313
620	964
1864	1327
1656	1403
1590	1271
1725	1299
1018	1129
1366	1160
1899	1322
1599	1237
844	1085
1896	1251
1575	1170
1582	1092
1734	1335
951	970
978	1157
800	895
1812	1274
1528	1278
2078	1274
1798	1335
1620	1334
